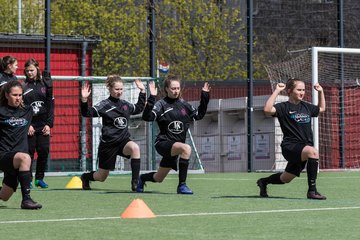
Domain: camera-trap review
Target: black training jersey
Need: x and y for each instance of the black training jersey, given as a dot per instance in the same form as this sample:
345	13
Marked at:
14	126
115	115
174	116
38	96
295	121
5	77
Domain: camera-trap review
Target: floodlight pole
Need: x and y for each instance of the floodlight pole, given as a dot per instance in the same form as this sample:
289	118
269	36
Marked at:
19	15
249	84
47	34
152	38
48	49
83	119
152	62
340	10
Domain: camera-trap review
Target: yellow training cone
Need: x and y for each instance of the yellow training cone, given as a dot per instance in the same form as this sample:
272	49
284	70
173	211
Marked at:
74	183
137	209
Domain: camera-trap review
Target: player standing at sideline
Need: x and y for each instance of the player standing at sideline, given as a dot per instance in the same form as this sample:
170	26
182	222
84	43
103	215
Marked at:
38	94
173	116
15	162
297	146
115	137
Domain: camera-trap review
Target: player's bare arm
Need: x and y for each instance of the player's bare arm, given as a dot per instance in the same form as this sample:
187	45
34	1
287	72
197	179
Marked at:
269	108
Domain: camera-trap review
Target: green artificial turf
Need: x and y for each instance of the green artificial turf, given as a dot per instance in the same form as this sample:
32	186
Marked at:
224	206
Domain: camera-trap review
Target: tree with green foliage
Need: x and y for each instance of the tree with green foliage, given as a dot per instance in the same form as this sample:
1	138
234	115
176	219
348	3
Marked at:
121	26
201	40
32	16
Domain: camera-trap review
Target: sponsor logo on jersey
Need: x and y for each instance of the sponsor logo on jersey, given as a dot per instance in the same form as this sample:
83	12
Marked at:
17	122
176	127
120	122
301	117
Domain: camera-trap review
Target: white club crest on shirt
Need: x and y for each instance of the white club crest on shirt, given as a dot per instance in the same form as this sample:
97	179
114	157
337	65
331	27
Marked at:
36	106
120	122
176	127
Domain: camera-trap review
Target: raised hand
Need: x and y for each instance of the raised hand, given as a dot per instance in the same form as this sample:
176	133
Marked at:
280	86
85	92
152	88
317	87
140	85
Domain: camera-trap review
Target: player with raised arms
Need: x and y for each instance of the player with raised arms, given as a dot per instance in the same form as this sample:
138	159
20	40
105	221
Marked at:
297	146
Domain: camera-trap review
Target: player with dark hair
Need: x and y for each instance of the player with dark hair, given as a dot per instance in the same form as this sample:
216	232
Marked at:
173	116
297	146
15	161
8	67
115	138
38	94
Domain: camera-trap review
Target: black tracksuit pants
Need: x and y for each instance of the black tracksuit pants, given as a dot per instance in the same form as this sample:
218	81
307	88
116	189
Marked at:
40	144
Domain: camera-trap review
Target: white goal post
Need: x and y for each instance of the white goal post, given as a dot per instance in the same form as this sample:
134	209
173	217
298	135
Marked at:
315	79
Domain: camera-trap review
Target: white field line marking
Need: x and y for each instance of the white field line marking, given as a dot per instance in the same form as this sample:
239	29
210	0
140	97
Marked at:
184	215
260	211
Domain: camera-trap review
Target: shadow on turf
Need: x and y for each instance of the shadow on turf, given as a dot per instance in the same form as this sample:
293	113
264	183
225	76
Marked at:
107	191
9	208
256	196
104	191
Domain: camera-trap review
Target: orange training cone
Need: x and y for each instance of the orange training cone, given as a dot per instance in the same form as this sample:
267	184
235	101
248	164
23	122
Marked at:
74	183
137	209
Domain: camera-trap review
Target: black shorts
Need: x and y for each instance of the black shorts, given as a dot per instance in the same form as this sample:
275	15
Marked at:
108	151
7	166
164	149
292	154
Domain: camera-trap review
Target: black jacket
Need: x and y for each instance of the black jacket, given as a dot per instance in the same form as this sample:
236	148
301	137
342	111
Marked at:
38	95
174	116
115	115
5	77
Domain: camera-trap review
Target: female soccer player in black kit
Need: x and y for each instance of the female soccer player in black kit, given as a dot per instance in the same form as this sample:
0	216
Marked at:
297	146
8	67
115	138
38	94
15	161
173	115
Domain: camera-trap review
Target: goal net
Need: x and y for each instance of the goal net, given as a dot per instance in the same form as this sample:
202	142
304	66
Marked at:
337	130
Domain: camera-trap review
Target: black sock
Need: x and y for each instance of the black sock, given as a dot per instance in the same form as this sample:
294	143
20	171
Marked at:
183	169
24	178
311	170
135	168
148	177
89	176
273	179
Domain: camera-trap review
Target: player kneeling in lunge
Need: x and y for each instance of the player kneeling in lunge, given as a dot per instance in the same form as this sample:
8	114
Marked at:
115	136
297	146
15	119
173	116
